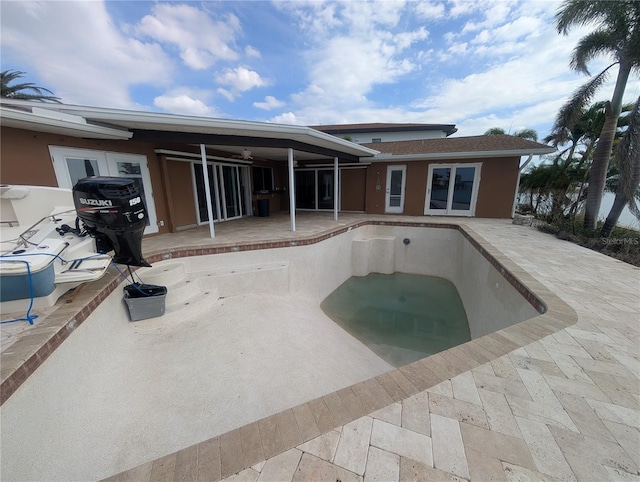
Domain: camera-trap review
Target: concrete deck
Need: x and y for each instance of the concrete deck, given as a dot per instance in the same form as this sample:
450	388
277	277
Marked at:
553	399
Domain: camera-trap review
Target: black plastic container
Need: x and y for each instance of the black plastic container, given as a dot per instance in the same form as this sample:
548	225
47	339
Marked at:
145	301
263	207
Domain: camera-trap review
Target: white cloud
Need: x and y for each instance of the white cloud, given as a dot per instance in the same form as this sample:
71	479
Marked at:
288	118
252	51
429	10
359	47
239	80
78	53
270	102
201	40
183	104
458	8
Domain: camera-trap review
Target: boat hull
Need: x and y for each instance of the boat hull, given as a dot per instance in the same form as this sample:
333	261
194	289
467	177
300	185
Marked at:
19	286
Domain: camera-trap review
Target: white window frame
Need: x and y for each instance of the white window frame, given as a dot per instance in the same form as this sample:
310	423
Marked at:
449	211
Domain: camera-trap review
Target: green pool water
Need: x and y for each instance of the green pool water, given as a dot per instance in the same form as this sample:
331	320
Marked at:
400	317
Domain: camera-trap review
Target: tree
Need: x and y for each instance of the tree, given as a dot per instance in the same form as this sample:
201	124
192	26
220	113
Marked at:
530	134
23	91
628	158
550	185
617	34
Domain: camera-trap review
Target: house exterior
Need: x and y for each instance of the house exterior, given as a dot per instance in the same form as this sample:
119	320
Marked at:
248	164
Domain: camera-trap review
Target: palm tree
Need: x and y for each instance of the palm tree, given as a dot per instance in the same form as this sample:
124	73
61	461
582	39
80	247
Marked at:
525	133
628	157
17	91
494	131
617	34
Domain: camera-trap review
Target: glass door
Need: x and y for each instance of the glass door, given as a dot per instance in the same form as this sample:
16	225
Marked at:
227	188
306	189
396	181
325	189
230	191
201	196
452	189
71	165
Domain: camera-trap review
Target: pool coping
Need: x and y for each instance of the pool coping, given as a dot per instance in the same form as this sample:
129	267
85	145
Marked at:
308	420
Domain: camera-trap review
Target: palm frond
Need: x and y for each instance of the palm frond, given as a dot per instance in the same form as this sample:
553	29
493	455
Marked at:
592	46
25	90
607	14
571	111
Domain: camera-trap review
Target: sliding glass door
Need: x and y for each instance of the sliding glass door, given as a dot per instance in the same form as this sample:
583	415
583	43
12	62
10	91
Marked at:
227	185
314	189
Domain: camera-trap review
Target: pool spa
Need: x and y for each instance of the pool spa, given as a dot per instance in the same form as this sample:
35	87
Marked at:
243	338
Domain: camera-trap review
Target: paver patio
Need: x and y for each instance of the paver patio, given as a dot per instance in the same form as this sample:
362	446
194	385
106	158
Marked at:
552	400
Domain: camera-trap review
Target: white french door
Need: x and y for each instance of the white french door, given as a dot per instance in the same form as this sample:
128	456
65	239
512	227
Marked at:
71	165
396	182
452	189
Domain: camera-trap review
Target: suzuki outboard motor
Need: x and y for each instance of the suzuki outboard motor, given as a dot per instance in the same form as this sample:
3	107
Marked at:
113	212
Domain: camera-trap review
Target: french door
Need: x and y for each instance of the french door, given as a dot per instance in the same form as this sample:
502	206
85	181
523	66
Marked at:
396	182
71	165
452	189
228	185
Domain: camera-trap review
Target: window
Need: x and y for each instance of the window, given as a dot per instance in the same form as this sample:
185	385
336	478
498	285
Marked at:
376	139
262	178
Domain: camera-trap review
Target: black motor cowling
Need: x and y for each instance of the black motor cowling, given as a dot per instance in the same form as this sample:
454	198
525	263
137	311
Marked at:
113	211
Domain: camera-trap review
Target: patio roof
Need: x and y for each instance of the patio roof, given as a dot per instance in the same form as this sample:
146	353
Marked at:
267	140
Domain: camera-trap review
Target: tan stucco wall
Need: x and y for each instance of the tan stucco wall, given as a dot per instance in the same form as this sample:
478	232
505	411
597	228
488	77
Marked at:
495	193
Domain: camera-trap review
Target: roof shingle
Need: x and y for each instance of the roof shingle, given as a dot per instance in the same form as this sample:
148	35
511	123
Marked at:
459	144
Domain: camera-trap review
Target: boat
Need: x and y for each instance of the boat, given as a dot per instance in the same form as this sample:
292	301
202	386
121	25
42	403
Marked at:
43	253
54	239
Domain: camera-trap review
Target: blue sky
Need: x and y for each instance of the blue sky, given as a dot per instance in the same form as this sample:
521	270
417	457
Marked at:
476	64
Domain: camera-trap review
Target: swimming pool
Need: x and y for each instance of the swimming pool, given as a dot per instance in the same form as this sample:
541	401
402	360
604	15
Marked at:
243	338
401	317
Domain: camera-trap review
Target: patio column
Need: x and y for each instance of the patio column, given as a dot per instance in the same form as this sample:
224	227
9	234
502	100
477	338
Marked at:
336	189
292	191
207	191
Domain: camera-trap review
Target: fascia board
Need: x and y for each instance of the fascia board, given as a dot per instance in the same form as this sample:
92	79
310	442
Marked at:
29	121
459	155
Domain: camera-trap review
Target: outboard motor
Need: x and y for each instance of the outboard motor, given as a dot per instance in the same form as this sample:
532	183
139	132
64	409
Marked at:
113	212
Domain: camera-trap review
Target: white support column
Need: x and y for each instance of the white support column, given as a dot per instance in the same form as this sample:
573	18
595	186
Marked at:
336	189
207	191
292	191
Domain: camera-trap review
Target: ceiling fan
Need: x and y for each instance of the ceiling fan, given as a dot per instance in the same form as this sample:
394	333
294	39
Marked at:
245	155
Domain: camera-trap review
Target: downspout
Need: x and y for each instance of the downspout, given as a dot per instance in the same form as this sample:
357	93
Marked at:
207	190
292	193
335	188
515	199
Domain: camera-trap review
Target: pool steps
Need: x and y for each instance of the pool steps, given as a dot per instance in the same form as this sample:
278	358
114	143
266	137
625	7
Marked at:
373	254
